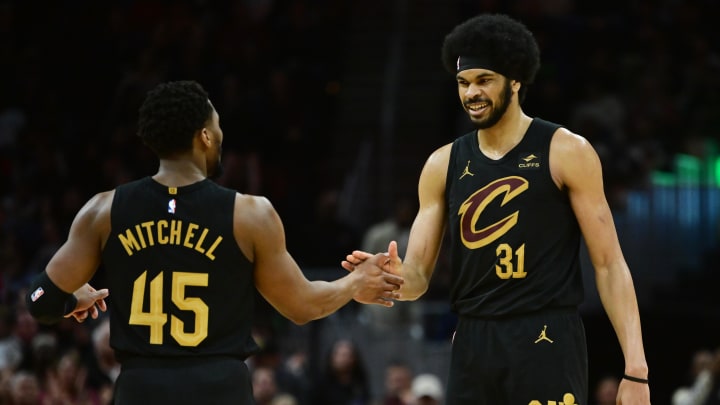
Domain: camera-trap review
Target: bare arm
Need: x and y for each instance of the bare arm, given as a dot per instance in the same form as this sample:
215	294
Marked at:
575	165
260	234
428	228
425	235
74	264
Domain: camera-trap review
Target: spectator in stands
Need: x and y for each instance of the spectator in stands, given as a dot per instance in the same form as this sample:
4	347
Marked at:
427	389
344	378
705	388
606	390
398	384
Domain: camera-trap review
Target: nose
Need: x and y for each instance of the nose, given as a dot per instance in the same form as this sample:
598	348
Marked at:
472	91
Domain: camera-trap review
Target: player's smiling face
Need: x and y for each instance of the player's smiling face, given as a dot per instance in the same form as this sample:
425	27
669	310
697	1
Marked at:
485	95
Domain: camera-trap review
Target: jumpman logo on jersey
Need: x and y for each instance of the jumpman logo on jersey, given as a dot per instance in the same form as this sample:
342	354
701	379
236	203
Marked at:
543	336
466	172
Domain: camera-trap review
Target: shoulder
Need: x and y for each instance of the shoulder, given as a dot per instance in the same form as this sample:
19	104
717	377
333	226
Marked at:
253	204
566	141
95	214
253	211
99	204
572	156
256	223
439	158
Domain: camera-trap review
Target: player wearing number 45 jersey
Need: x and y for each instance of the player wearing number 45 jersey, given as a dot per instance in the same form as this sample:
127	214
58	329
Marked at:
516	195
183	258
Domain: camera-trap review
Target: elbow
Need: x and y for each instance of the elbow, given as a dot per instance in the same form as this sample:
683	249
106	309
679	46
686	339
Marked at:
299	321
300	317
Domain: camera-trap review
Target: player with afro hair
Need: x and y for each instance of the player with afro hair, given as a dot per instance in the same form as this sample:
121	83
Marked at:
495	42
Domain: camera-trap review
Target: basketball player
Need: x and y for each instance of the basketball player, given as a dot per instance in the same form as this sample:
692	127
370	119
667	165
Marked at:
516	195
183	258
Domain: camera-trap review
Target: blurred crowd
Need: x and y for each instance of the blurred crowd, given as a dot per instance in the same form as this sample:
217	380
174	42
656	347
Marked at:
640	79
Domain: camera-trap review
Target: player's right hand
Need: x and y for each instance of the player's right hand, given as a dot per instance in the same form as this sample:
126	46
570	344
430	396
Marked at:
89	302
377	285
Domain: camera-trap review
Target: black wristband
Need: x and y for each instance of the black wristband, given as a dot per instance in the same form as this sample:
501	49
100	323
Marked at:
636	379
46	302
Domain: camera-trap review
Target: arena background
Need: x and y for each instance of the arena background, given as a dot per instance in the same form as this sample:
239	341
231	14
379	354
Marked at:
329	109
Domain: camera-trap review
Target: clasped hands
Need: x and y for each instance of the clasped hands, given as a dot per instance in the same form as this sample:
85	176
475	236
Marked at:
384	281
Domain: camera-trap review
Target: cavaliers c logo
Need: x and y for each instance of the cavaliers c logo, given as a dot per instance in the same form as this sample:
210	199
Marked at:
471	209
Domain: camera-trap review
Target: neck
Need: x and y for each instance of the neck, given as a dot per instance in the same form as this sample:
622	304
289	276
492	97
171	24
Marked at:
499	139
179	172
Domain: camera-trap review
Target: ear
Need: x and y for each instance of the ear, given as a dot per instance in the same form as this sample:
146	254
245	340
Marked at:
205	137
516	85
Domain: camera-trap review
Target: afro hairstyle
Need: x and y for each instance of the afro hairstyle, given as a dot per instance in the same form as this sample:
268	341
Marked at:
503	41
171	114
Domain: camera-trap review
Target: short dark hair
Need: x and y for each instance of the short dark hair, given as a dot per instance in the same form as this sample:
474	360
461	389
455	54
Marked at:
171	114
505	42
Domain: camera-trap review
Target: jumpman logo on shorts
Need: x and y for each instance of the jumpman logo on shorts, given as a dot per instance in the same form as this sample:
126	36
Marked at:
543	336
466	172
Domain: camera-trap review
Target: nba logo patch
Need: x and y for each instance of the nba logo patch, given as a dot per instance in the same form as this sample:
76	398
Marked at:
172	205
37	294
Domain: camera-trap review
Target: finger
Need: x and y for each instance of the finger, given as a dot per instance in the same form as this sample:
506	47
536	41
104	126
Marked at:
393	251
384	302
93	312
102	305
347	265
80	316
391	295
393	279
354	260
359	254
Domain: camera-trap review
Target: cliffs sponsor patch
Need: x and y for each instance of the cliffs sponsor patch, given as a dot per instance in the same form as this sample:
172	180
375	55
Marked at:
529	161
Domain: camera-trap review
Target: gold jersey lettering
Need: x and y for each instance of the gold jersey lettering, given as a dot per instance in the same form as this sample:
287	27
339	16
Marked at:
190	234
162	226
210	251
148	231
198	245
140	236
175	230
129	242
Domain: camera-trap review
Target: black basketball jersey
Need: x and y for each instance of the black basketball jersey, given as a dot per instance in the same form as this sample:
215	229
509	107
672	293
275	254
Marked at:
179	284
514	239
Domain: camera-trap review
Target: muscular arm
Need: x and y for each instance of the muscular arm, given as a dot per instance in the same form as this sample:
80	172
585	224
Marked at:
428	228
62	288
78	258
575	166
260	234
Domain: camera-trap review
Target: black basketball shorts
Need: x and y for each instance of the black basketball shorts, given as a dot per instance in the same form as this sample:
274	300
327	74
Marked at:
534	359
216	381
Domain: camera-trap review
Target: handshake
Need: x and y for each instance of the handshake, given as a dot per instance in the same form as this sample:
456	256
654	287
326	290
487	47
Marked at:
376	276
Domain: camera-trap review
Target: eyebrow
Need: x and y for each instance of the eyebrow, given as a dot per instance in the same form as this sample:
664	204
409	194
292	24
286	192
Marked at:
479	76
